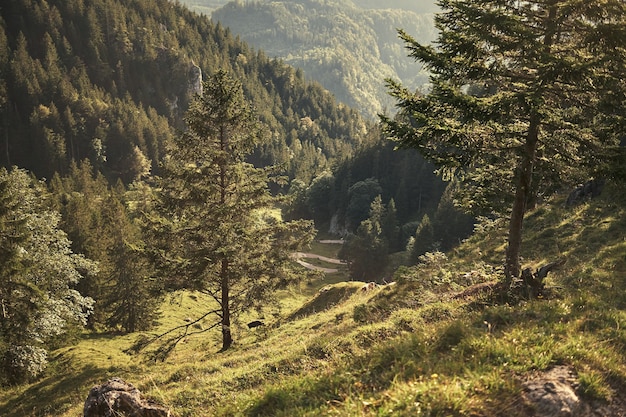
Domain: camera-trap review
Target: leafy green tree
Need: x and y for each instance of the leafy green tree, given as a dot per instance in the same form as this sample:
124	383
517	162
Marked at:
38	272
550	76
360	197
318	196
216	209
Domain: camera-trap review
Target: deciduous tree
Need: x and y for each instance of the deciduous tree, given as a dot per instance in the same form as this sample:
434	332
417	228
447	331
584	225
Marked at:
38	272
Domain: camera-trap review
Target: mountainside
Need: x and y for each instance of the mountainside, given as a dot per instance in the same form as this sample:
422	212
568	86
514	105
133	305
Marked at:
351	50
422	6
110	80
438	342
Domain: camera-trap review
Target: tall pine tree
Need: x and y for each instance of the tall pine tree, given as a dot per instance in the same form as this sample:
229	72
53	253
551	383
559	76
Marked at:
219	236
521	102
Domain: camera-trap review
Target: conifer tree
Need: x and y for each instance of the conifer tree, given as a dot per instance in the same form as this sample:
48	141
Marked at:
522	100
216	232
366	252
423	241
132	296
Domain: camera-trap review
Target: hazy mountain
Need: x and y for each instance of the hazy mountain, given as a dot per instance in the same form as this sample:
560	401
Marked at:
418	6
348	49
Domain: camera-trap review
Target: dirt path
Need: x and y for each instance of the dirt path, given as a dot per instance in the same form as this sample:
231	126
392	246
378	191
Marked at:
320	257
300	255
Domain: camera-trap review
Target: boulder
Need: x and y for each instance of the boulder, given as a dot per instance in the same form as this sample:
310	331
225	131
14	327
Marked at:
117	398
585	192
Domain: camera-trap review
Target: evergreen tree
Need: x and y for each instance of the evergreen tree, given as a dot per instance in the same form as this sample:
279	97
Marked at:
423	241
80	198
366	252
550	76
450	224
132	297
38	272
221	239
390	227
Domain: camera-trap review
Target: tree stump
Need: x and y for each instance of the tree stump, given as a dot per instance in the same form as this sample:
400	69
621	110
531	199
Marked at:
117	398
534	282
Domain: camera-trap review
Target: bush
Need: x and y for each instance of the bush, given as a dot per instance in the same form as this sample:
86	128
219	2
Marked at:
24	363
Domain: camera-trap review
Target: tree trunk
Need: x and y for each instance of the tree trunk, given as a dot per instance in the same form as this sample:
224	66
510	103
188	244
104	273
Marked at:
523	190
227	338
524	174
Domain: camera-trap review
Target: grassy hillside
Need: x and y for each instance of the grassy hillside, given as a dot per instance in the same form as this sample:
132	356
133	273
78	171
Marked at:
435	343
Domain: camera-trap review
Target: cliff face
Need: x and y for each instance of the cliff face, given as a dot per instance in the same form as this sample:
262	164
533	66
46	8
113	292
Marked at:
195	80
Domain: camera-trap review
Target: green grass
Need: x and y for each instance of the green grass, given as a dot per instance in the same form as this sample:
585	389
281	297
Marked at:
407	349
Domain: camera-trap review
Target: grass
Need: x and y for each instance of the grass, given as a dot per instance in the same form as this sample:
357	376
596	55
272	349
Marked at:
407	349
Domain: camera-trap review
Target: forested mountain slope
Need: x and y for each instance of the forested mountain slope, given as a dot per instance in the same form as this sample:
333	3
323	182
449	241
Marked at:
343	45
422	6
110	80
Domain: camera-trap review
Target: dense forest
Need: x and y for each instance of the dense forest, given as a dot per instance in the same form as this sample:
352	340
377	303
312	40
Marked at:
110	81
208	6
349	49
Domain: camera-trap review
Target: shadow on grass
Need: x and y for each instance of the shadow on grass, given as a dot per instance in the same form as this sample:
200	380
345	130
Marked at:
54	395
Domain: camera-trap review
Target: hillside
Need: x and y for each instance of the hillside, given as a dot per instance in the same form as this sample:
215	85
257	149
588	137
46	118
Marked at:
438	342
349	49
111	80
208	6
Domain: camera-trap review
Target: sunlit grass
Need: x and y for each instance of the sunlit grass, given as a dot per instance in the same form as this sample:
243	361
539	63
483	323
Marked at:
407	349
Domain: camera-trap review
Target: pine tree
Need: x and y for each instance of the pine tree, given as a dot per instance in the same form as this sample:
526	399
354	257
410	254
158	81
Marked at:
423	241
215	209
133	295
366	252
390	226
522	99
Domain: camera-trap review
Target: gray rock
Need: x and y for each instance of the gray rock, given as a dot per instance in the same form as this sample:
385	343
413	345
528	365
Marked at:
553	394
117	398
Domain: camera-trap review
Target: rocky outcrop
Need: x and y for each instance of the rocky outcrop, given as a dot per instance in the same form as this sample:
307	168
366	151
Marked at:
195	80
117	398
555	393
585	192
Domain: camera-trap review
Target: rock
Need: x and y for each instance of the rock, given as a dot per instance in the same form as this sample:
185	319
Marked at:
587	191
117	398
195	80
255	323
553	394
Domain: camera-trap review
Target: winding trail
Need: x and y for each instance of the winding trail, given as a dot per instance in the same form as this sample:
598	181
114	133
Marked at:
300	255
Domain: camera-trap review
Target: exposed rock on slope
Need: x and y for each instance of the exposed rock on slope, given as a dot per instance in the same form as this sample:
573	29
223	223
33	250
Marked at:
119	398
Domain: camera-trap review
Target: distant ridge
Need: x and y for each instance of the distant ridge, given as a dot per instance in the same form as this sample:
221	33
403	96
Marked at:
349	47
